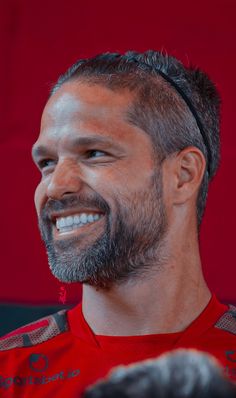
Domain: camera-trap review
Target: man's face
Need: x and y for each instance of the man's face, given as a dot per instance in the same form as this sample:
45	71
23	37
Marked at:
99	202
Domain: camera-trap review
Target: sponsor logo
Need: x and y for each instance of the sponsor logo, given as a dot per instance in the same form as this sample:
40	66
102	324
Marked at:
37	363
230	370
231	356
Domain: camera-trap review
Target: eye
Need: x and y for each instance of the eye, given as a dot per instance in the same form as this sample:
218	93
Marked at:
44	163
95	153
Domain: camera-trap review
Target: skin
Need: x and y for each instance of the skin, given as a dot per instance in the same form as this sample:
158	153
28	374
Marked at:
177	288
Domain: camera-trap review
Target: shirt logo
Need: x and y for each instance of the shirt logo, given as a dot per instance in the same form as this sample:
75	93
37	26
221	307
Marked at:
38	362
231	356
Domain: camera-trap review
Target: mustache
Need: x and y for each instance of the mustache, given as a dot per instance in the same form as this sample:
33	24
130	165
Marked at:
73	202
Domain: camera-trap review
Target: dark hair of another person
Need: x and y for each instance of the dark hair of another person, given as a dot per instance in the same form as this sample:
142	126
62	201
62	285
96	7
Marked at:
177	106
182	374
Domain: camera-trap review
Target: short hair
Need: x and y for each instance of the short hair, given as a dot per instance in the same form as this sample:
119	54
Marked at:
177	106
180	374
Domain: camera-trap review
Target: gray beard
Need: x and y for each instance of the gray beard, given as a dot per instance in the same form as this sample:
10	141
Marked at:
130	250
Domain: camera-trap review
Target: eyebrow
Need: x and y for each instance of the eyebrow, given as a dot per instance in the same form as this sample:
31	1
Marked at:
41	150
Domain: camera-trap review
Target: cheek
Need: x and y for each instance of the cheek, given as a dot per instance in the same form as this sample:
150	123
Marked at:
124	176
39	196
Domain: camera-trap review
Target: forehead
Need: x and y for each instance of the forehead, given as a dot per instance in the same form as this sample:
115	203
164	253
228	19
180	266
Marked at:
90	113
78	103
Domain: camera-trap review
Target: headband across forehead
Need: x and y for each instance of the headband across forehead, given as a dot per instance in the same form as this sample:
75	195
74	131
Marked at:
194	113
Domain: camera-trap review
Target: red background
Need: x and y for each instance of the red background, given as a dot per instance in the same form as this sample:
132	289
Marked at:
39	40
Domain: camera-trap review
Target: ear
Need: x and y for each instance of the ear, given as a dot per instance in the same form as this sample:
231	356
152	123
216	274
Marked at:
188	168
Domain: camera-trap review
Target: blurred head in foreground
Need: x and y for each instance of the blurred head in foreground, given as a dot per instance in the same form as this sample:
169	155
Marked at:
180	374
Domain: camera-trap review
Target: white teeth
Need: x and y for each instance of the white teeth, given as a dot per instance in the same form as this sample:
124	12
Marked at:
76	219
64	224
83	218
69	221
60	223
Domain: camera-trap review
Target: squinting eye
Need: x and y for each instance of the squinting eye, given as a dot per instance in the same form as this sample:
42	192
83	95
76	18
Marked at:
46	163
96	153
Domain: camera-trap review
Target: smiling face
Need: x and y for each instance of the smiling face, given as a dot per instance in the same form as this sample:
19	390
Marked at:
99	201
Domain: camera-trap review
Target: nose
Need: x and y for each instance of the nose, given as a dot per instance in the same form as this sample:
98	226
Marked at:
65	179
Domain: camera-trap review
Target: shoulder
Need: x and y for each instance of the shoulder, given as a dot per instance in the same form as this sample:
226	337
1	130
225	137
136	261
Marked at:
36	332
227	321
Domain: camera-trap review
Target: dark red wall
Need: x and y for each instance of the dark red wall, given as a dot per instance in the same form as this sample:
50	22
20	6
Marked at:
39	40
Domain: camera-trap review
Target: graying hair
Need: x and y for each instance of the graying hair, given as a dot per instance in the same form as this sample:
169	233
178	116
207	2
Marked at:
158	108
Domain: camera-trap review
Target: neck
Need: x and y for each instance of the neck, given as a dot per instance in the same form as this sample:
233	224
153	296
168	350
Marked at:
165	300
156	304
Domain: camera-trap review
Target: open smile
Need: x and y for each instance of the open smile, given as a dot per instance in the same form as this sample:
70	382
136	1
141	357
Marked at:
75	222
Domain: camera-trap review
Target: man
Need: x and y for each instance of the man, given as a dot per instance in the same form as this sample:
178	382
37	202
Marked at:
127	147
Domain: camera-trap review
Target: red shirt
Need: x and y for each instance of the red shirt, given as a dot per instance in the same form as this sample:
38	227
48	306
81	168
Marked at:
59	355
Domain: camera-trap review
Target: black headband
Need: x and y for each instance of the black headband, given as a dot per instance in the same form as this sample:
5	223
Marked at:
194	113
